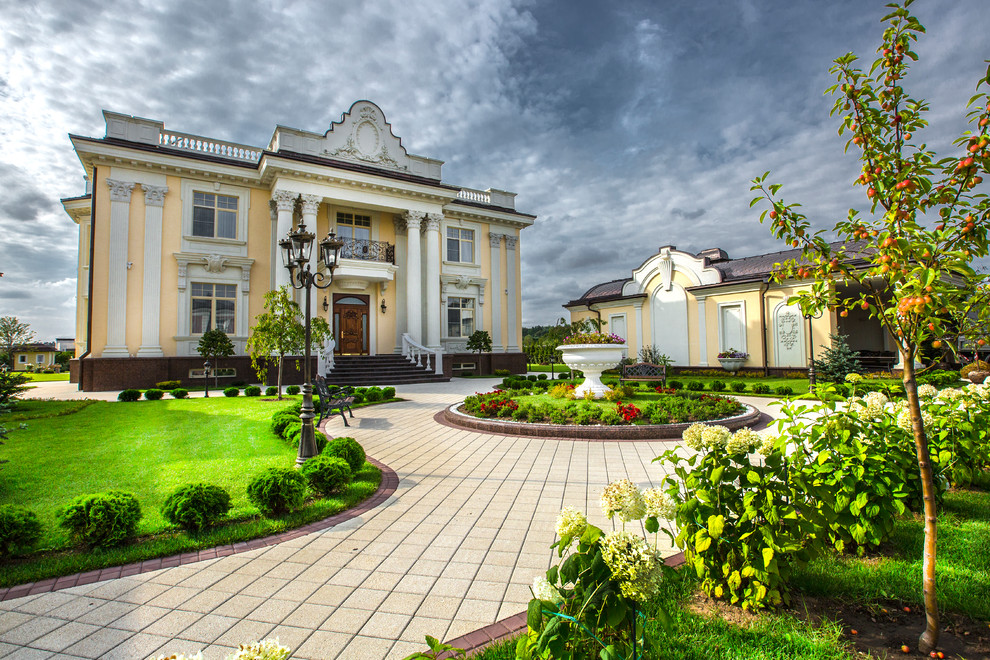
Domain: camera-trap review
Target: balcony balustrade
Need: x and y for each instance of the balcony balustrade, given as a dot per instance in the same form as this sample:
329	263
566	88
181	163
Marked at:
365	250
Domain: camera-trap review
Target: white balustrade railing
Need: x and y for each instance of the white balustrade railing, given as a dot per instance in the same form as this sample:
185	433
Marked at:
209	146
474	195
421	355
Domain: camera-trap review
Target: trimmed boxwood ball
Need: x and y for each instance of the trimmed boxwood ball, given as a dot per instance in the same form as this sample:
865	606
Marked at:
388	393
277	490
761	388
718	386
271	390
252	390
231	391
281	419
738	386
129	395
195	506
373	394
153	394
562	376
291	433
179	393
348	449
327	475
292	389
783	390
101	520
19	530
695	385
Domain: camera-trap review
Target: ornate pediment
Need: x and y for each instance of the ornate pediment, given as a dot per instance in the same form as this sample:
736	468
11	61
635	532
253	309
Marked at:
362	135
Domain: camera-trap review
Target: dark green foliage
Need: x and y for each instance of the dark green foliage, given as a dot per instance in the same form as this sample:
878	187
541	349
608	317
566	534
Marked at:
479	342
760	388
718	386
179	393
501	372
531	378
19	530
541	376
562	376
737	386
153	394
252	390
542	384
271	390
675	385
283	418
12	384
239	383
388	393
277	490
837	361
168	385
783	390
195	506
292	389
326	475
695	385
291	433
231	391
348	449
373	394
129	395
939	379
101	520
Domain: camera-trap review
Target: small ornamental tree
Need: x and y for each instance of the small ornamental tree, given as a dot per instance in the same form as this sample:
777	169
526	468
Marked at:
213	345
279	332
911	256
480	342
13	333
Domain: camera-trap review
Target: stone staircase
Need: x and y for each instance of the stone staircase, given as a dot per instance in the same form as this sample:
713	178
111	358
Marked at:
361	370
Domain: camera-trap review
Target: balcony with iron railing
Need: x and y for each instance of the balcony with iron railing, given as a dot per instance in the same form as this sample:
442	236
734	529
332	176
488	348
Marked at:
366	250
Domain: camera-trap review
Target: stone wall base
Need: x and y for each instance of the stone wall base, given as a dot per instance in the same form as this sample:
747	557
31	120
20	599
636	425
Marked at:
107	374
484	364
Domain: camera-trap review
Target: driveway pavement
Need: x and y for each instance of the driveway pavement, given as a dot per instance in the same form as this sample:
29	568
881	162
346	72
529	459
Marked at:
454	549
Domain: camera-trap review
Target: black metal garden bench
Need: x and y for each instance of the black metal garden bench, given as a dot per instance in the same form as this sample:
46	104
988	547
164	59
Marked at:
334	400
643	371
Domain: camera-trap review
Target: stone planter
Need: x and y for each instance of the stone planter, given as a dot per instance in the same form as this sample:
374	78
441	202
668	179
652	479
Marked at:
978	376
592	360
732	365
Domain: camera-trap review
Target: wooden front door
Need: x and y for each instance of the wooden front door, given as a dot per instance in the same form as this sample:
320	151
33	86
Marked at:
351	326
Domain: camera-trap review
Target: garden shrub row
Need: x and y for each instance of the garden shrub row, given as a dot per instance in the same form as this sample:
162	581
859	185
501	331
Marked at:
155	394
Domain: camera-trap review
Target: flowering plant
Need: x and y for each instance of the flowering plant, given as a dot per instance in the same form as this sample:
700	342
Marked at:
628	411
593	338
733	354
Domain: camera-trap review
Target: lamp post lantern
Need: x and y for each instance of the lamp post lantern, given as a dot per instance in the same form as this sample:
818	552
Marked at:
296	249
206	376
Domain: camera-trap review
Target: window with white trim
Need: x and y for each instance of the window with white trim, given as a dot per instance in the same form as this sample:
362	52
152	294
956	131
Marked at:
354	225
460	317
22	359
40	358
214	215
213	306
460	245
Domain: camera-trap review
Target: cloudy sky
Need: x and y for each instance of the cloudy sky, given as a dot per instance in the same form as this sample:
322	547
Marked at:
623	125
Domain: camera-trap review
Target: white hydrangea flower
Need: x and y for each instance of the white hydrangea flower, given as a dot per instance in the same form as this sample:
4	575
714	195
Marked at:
853	378
948	395
633	563
659	504
743	441
181	656
622	497
692	436
543	590
715	437
571	522
268	649
927	391
904	419
979	390
766	445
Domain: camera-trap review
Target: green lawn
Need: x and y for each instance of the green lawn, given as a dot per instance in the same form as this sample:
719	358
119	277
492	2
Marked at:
43	378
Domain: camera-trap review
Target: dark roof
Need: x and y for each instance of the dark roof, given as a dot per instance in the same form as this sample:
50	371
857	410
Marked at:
731	271
37	347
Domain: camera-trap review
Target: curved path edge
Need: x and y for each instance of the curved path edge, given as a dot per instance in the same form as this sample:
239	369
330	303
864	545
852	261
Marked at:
387	486
452	417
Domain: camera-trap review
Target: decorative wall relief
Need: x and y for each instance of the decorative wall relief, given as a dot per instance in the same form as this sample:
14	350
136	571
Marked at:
788	333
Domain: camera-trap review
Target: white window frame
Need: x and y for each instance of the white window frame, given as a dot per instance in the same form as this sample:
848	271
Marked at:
454	223
460	242
741	304
22	359
374	215
39	358
213	310
446	317
243	196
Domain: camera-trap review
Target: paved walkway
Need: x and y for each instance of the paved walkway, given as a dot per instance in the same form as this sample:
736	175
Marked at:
453	550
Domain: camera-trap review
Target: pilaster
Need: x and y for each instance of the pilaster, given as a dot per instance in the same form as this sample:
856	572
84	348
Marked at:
495	242
399	309
433	309
120	217
414	279
154	200
285	203
640	334
310	205
512	293
702	334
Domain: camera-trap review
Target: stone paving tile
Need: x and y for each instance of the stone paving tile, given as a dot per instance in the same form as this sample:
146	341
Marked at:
322	644
273	611
11	620
132	617
64	636
99	643
362	648
245	631
238	606
141	645
22	653
30	630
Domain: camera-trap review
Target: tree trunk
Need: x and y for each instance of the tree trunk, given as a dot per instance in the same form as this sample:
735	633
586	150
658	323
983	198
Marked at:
929	638
280	357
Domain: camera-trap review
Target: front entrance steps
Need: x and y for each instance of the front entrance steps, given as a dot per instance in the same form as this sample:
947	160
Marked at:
379	370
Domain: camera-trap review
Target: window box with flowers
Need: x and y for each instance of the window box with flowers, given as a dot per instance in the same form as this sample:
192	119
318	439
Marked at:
592	353
732	360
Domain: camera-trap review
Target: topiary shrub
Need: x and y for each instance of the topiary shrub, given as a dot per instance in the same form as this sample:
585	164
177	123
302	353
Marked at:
388	393
154	394
373	394
501	372
761	388
718	386
271	390
695	385
541	376
101	520
562	376
531	378
195	506
19	530
976	365
277	490
252	390
783	390
292	389
292	432
129	395
326	475
675	385
231	391
168	384
348	449
358	397
737	386
179	393
281	419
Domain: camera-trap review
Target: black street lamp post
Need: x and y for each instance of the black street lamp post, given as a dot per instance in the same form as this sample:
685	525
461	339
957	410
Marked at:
811	343
206	376
296	249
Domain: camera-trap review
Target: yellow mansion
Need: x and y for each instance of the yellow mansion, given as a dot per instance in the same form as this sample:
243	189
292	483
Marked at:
178	234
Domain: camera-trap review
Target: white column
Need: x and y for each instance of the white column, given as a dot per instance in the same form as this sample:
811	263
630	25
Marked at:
414	277
310	204
401	323
512	297
702	335
285	202
120	217
495	241
638	308
433	279
154	199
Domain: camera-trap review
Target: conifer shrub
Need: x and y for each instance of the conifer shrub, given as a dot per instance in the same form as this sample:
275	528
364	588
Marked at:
277	491
179	393
19	530
292	390
348	449
154	394
129	395
761	388
195	506
737	386
231	391
168	384
101	520
327	475
718	386
388	393
271	390
252	390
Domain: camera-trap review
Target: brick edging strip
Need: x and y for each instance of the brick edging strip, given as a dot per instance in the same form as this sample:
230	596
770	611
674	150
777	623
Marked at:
453	418
387	486
514	625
